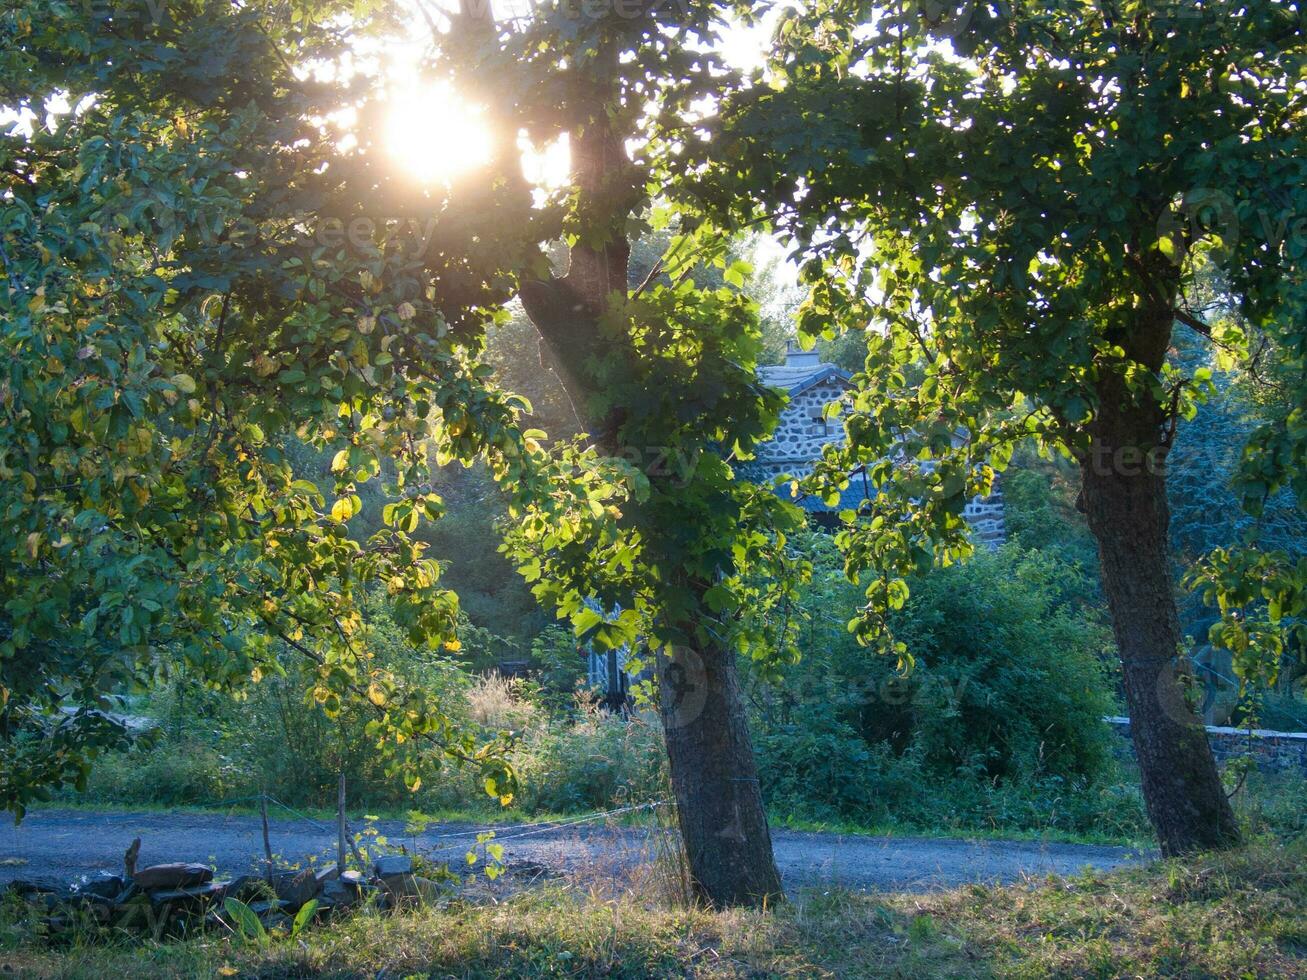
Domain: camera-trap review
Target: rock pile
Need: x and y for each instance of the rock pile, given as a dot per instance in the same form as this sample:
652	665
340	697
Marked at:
171	899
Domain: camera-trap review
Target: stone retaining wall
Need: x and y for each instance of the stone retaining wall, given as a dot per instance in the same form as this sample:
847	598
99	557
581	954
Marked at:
1273	751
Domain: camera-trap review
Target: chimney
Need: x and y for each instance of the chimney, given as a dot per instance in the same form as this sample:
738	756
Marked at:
797	358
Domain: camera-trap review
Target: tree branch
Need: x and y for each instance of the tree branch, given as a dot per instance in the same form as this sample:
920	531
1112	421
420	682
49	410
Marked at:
1193	323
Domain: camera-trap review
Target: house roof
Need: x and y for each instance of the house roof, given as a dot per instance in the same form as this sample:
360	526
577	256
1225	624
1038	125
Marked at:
852	497
795	378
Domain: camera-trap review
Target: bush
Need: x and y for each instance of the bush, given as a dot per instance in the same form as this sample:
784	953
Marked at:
1018	670
210	746
208	749
819	768
998	726
560	666
171	773
999	723
597	763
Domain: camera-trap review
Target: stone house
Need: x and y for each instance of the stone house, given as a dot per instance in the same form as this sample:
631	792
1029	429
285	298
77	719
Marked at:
804	430
801	434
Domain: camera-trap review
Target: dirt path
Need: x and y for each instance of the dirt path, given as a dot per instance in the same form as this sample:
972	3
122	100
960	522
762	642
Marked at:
62	844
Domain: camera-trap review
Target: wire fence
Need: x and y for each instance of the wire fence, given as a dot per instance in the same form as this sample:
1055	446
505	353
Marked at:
501	834
535	829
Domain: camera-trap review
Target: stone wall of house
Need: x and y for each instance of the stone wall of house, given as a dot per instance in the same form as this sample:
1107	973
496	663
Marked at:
985	515
1272	751
803	431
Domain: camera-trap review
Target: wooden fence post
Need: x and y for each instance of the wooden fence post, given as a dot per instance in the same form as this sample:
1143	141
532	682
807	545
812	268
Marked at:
340	824
267	844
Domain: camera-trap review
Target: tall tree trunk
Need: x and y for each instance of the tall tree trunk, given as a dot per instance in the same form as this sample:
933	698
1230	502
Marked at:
715	780
1124	497
714	777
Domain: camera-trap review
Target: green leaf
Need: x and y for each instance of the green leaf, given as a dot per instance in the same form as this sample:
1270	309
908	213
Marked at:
303	917
247	923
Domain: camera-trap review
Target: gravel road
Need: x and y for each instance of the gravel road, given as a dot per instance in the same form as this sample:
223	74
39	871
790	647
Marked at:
59	845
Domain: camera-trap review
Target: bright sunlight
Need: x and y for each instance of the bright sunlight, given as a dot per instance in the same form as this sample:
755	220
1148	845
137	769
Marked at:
436	136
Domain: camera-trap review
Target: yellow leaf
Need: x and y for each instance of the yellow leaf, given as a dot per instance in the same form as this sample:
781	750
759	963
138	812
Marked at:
33	543
184	382
453	646
405	311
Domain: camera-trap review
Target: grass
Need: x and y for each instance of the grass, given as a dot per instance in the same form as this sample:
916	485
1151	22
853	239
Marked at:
1242	914
487	815
963	832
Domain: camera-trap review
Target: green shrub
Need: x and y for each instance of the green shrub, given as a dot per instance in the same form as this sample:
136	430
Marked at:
596	763
997	727
1018	672
998	724
819	768
170	773
560	666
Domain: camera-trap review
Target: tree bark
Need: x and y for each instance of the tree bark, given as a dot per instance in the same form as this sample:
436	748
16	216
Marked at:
715	780
1124	498
710	755
714	777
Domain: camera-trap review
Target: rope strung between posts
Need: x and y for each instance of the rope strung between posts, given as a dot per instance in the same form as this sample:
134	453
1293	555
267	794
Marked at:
535	828
527	829
217	803
317	825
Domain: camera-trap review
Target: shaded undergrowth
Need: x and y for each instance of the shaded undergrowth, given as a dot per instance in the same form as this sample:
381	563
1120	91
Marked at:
1231	915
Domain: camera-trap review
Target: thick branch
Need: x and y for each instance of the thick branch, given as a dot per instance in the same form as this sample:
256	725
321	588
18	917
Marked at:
1193	323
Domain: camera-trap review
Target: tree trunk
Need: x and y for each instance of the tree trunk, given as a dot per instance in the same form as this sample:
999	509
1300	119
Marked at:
714	779
1124	497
